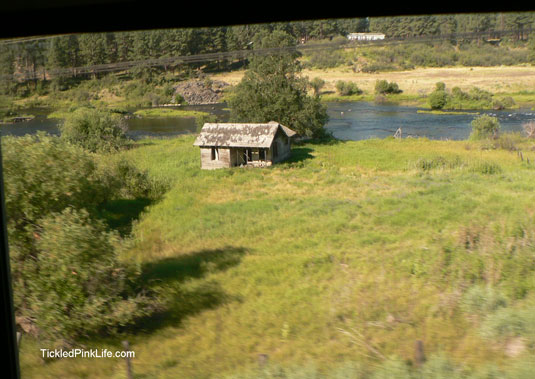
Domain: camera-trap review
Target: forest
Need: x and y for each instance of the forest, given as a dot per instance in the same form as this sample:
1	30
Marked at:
41	57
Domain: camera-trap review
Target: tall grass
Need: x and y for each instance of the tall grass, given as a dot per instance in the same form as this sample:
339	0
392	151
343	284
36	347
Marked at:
329	263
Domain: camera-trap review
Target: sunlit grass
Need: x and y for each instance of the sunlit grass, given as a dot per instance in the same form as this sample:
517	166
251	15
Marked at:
290	260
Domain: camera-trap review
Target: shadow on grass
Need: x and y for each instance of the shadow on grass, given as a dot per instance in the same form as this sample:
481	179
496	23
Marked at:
328	139
170	279
299	154
120	213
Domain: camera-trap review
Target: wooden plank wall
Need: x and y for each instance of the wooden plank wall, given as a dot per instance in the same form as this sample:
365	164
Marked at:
206	158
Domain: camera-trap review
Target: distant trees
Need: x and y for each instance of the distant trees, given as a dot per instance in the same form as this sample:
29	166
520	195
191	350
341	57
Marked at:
41	58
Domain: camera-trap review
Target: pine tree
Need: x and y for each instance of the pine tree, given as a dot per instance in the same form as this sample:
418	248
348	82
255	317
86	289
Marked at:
272	90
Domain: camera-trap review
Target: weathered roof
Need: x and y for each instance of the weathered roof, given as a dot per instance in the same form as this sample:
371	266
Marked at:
240	135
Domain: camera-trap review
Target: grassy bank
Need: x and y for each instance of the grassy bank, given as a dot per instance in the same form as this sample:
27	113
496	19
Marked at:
168	112
346	254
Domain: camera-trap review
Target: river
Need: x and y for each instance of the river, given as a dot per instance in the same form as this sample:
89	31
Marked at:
347	121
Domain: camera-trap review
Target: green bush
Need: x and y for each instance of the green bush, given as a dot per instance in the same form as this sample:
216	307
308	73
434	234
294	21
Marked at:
480	300
48	182
427	164
487	168
509	322
485	126
384	87
325	59
78	286
347	88
438	99
317	84
94	130
44	174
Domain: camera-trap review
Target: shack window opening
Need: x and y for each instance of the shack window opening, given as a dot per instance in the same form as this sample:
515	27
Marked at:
215	154
262	155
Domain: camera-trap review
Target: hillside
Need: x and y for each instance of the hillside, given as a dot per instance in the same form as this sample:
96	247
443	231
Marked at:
339	259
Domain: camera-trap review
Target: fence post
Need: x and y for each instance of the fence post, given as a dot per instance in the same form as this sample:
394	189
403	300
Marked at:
129	371
419	355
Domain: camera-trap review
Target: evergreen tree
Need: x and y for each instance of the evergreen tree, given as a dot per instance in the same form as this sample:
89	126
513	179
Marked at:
272	90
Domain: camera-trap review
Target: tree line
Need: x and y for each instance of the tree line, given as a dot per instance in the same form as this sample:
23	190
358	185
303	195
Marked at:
71	51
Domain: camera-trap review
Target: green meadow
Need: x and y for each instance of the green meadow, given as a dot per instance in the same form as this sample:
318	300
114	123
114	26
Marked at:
333	263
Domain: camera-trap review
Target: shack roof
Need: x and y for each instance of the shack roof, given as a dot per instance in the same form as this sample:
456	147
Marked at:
240	135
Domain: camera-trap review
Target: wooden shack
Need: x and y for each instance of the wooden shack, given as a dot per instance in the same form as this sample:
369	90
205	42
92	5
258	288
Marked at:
229	145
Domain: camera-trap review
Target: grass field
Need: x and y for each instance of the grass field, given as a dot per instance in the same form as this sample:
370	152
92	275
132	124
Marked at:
344	255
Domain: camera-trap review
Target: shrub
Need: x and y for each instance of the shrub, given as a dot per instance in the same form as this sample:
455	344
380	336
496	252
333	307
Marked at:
509	322
480	300
325	59
427	164
78	286
384	87
124	180
44	174
485	126
317	84
347	88
48	182
487	168
94	130
438	99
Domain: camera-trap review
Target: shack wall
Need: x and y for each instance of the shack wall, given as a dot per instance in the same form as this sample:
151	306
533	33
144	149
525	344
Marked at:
223	161
283	147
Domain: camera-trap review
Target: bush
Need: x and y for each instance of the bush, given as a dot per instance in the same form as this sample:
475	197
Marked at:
317	84
48	182
384	87
44	174
78	287
481	300
487	168
123	180
485	126
94	130
325	59
427	164
438	99
509	322
347	88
